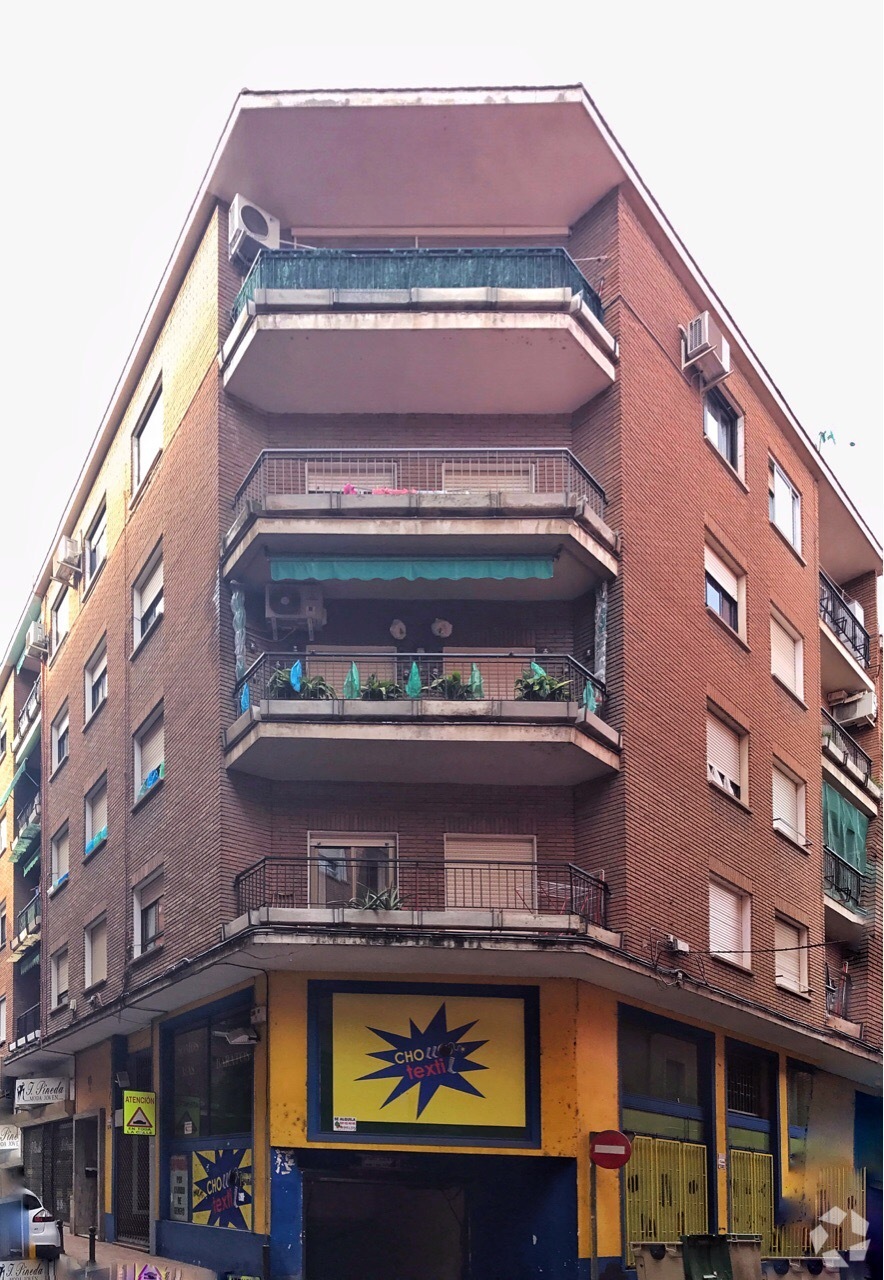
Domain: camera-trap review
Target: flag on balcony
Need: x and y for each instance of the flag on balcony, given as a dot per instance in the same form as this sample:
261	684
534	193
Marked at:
295	675
413	684
590	701
477	684
352	683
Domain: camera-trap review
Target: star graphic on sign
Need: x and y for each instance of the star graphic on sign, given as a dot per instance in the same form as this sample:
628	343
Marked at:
428	1060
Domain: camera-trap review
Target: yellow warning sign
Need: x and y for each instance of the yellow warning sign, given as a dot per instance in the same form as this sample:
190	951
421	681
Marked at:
139	1113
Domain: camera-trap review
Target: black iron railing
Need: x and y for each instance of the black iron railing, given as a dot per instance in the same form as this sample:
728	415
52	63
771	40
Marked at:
296	472
841	880
28	1023
839	738
356	270
838	994
29	817
420	884
27	921
30	709
835	611
429	677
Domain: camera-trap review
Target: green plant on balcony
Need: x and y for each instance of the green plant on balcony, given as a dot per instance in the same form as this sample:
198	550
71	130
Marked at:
279	685
536	685
452	688
378	900
315	689
377	690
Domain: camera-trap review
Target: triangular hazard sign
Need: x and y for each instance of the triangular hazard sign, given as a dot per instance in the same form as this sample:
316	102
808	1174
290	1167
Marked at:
139	1121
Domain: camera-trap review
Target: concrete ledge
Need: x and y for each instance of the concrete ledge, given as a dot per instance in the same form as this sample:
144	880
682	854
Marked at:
453	919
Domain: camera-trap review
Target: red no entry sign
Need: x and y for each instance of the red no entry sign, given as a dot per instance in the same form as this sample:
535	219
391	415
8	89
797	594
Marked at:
610	1150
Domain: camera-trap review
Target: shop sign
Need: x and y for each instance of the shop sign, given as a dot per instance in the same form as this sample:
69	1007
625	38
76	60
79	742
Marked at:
222	1188
41	1091
24	1269
140	1112
10	1137
179	1189
425	1061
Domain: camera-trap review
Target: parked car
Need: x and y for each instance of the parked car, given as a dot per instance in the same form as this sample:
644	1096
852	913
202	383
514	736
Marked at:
27	1228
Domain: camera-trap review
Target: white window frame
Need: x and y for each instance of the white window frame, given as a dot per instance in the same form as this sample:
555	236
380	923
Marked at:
96	533
139	773
711	432
792	534
2	1019
60	843
148	597
4	924
729	577
147	428
797	831
89	978
95	668
742	958
317	841
60	995
719	777
91	832
789	980
796	685
4	831
60	615
61	736
141	899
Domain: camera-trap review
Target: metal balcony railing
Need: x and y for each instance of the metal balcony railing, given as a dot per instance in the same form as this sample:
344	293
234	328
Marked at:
841	880
836	613
28	1023
838	994
428	677
838	737
403	269
423	884
30	709
27	921
29	817
281	472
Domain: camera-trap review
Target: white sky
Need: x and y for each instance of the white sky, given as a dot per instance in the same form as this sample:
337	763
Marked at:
757	126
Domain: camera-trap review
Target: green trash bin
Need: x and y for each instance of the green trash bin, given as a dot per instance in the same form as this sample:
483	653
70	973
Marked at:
721	1257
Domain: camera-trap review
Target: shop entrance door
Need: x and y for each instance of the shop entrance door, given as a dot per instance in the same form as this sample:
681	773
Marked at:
384	1230
132	1175
86	1174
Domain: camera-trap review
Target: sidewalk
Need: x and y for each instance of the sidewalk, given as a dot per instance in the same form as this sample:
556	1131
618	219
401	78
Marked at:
119	1262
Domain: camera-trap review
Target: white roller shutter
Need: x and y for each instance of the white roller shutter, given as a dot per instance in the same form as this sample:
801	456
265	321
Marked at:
98	810
508	882
786	806
722	753
724	576
784	656
464	477
726	922
151	749
787	940
363	474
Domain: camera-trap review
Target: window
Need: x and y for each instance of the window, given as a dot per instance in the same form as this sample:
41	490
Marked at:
59	978
95	952
724	588
150	746
60	622
96	816
213	1077
96	544
660	1079
147	440
799	1095
785	504
61	738
351	868
786	654
788	804
147	597
96	679
729	923
495	871
61	855
725	752
723	428
147	901
790	942
2	1019
3	923
2	741
751	1077
4	833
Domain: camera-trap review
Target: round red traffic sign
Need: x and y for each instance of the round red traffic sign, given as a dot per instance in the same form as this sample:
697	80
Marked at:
610	1150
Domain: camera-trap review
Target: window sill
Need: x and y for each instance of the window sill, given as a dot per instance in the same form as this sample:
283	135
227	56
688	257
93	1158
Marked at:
794	991
94	987
734	635
93	715
144	956
147	795
796	697
89	854
795	552
734	964
87	590
59	1008
147	635
144	481
58	885
801	843
727	795
731	470
58	768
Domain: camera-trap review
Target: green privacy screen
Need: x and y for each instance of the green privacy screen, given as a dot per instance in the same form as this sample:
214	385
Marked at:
844	828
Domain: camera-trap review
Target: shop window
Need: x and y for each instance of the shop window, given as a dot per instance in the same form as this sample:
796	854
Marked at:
799	1094
213	1077
663	1080
750	1083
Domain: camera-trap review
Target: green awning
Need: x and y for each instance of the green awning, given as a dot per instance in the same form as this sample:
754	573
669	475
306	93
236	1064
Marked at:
29	961
31	863
15	777
844	828
390	569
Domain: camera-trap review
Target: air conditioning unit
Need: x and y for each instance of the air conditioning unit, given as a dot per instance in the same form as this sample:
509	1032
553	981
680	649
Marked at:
298	606
249	230
36	643
861	709
66	561
706	349
857	610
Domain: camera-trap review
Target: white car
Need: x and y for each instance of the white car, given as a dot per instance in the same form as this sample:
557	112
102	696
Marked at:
43	1232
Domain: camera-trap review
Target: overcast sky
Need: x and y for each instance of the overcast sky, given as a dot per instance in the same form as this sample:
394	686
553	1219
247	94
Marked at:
758	127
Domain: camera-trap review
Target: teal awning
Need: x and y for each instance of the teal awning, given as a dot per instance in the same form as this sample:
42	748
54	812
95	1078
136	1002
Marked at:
15	777
844	828
29	961
31	863
389	568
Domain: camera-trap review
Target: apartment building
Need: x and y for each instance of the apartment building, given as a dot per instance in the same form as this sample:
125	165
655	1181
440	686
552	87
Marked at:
445	728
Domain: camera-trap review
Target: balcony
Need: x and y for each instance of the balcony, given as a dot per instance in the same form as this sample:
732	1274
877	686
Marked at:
416	717
27	926
845	651
27	832
421	892
28	721
851	766
843	884
27	1027
461	331
328	504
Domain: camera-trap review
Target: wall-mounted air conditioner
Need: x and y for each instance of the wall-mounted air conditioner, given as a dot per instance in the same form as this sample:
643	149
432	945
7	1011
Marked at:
249	230
705	349
36	643
294	607
66	561
861	709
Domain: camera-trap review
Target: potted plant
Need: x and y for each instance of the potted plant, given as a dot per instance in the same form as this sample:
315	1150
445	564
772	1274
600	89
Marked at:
315	689
379	900
377	690
451	687
279	686
536	685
